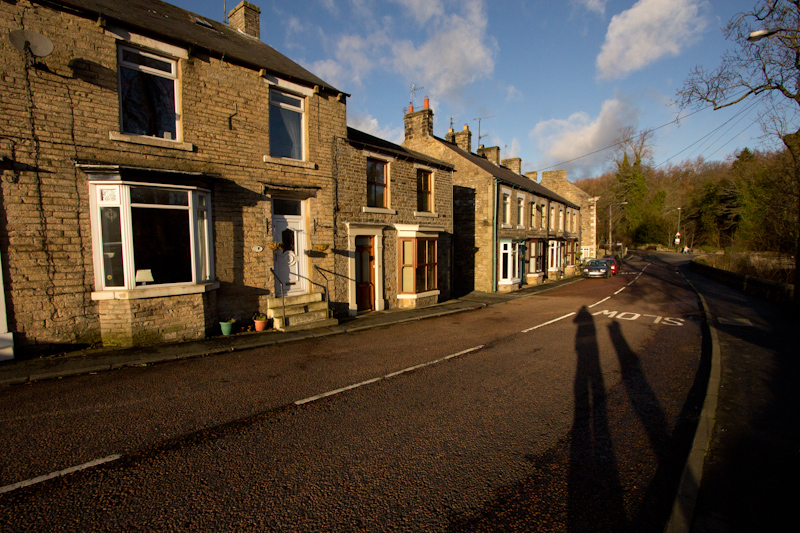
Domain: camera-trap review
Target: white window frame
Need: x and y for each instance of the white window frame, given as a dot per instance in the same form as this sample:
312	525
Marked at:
173	75
116	193
303	119
506	208
520	211
509	253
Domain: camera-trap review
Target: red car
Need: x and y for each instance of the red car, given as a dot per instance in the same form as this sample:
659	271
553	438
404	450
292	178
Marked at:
612	263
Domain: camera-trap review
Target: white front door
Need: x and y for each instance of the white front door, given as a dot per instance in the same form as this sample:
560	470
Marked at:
288	228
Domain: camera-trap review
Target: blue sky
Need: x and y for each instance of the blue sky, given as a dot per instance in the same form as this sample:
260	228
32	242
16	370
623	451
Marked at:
557	79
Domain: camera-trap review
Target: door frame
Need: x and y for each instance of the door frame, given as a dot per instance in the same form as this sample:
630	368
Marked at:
376	232
298	222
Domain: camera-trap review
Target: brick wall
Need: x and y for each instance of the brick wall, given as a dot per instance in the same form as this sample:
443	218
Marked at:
64	109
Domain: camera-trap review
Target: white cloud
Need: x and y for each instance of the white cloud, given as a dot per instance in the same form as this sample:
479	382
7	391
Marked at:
648	31
457	53
368	124
513	94
563	140
355	57
598	6
423	10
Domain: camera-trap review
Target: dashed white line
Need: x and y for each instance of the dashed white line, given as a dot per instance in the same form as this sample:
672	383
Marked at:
387	376
619	291
53	475
548	323
601	301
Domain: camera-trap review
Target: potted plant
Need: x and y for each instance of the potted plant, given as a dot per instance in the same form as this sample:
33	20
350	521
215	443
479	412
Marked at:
275	245
320	247
227	326
260	321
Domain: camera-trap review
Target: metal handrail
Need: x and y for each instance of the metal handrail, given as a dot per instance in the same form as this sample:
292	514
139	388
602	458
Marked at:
283	295
327	289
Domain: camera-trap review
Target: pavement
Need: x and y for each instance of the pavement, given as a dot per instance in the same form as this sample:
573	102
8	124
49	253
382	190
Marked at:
15	372
741	474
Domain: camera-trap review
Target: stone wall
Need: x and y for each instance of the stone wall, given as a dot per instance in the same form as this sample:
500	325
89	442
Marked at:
65	108
351	177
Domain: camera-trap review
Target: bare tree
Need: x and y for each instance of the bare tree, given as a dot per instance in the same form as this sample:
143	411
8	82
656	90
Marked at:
765	63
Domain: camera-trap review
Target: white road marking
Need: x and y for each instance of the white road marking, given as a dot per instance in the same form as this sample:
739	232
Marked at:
601	301
387	376
53	475
619	291
547	323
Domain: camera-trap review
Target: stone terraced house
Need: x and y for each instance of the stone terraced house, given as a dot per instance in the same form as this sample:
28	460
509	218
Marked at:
394	226
161	172
509	230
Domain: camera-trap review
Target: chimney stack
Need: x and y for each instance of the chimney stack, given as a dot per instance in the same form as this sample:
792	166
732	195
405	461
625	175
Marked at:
532	176
418	124
462	139
245	18
492	154
514	164
554	176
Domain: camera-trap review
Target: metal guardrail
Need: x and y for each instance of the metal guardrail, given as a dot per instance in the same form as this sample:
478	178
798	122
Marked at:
283	295
327	289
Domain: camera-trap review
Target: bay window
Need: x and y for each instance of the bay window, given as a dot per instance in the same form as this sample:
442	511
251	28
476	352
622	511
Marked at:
418	265
509	262
149	235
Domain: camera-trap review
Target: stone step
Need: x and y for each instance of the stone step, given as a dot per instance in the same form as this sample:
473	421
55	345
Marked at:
328	322
306	319
294	310
294	300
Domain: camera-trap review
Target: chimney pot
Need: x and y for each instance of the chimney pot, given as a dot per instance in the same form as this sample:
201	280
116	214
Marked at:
427	104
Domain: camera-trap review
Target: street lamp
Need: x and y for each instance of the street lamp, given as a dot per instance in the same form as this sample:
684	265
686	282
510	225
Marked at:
610	241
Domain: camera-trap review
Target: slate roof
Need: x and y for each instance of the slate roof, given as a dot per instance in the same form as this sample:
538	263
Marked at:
506	175
173	24
365	140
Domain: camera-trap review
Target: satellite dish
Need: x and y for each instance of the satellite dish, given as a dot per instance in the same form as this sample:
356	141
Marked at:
38	44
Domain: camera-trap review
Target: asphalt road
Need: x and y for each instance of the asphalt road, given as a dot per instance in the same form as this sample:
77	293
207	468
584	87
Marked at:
566	411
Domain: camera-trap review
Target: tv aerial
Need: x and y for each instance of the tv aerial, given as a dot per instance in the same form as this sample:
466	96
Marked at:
479	126
30	43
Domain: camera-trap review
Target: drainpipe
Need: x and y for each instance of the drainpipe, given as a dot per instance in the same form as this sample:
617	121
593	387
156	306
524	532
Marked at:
547	244
494	235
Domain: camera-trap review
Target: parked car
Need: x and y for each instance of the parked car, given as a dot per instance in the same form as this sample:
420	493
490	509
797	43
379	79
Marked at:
612	264
597	268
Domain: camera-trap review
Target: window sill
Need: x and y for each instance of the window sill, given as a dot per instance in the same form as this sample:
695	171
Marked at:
426	214
150	141
154	292
520	227
513	281
505	226
379	210
434	292
290	162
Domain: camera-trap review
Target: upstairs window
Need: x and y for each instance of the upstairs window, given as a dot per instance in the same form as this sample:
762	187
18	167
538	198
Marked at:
424	191
148	94
285	125
506	209
533	215
520	211
377	184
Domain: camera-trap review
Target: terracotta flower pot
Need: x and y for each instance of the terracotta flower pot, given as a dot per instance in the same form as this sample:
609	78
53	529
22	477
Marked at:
261	325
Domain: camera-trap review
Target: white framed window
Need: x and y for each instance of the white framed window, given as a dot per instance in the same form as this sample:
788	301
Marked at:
148	94
286	125
509	262
520	212
150	235
507	210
